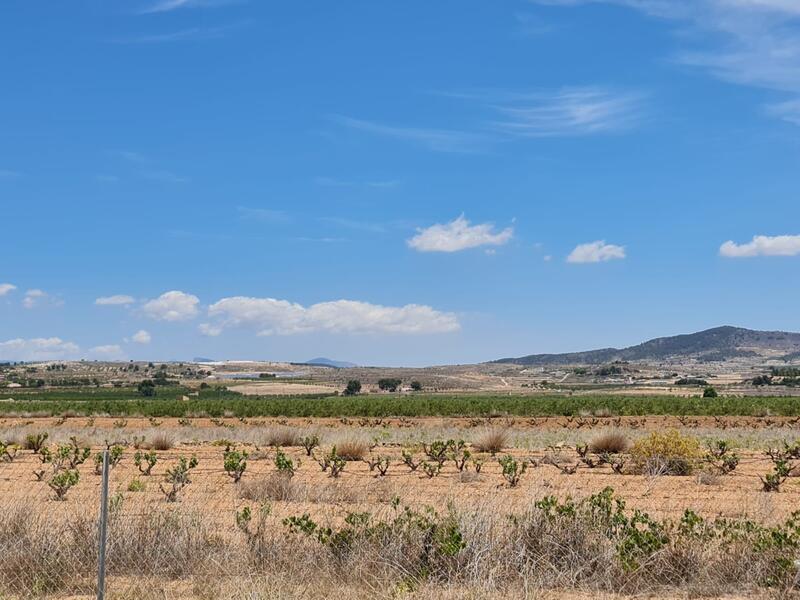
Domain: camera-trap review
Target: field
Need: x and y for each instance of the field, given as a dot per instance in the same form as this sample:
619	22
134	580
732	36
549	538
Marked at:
444	533
495	481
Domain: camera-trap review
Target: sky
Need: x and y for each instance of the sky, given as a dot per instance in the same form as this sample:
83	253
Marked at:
394	183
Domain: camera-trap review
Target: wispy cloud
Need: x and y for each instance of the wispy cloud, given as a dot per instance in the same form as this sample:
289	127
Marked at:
5	288
52	348
266	215
193	34
131	156
106	178
574	111
165	176
570	112
170	5
441	140
36	298
107	352
354	224
117	300
747	42
333	182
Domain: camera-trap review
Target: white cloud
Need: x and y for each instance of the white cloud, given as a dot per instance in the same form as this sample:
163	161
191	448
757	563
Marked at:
209	329
118	300
595	252
458	235
5	288
37	349
172	306
762	245
35	297
141	337
269	316
570	112
110	351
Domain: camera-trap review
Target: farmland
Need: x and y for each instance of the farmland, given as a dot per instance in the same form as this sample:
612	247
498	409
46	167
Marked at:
261	535
241	487
217	402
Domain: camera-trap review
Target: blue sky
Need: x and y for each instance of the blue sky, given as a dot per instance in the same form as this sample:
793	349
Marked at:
394	183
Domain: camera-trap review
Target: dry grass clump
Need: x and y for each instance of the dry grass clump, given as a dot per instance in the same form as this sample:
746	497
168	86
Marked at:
612	442
283	437
279	487
667	453
491	440
352	449
161	441
591	548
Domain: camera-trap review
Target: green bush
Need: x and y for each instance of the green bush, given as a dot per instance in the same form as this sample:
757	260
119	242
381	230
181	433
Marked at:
667	453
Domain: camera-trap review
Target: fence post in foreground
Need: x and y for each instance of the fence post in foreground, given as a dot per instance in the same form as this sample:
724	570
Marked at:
101	547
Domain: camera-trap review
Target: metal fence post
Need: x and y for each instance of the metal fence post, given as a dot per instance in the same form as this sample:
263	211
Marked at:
101	546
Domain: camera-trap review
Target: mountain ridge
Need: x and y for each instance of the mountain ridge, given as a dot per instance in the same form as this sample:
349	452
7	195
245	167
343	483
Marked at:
715	344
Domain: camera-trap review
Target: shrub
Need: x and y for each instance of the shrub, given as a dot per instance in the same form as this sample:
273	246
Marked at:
613	442
512	469
235	463
146	388
416	386
409	460
352	450
721	457
310	442
710	392
353	388
7	451
62	481
437	450
668	453
389	384
177	478
284	464
381	463
459	454
145	461
136	485
114	458
36	441
492	440
332	461
431	469
772	482
69	455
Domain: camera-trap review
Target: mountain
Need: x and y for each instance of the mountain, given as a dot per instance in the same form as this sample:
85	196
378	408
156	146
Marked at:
327	362
717	344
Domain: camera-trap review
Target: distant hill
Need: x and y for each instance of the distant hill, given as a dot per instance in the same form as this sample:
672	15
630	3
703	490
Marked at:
717	344
327	362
